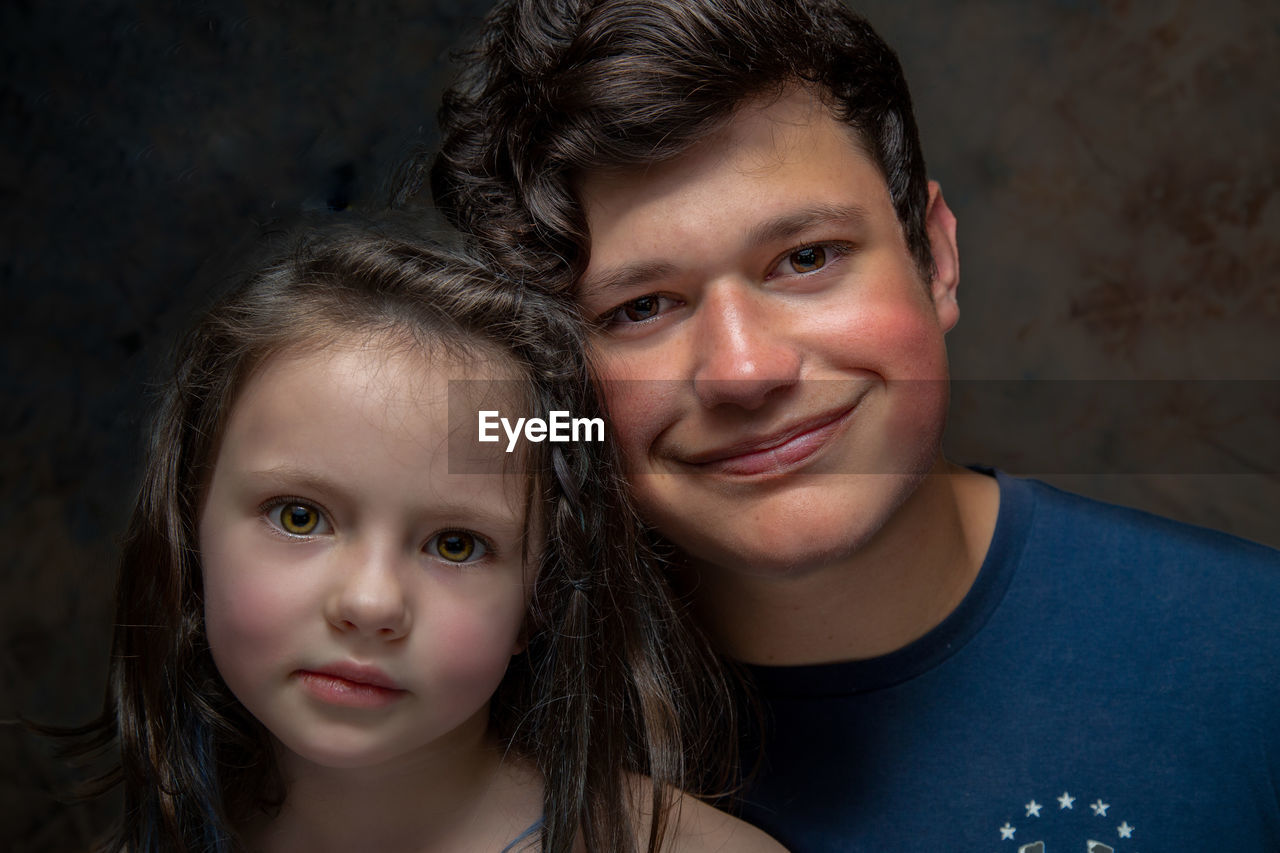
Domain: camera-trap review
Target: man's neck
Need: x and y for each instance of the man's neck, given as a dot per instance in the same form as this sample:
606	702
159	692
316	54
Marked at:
901	584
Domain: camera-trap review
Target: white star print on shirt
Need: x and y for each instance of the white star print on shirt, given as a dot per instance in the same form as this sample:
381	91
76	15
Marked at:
1066	801
1124	830
1007	831
1100	808
1033	809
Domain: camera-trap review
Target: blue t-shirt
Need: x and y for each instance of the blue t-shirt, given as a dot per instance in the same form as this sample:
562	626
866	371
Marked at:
1111	678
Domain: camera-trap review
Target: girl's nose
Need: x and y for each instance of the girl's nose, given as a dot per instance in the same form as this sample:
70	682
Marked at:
368	598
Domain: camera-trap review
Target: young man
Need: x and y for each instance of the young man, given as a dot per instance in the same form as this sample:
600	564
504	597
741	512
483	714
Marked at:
734	193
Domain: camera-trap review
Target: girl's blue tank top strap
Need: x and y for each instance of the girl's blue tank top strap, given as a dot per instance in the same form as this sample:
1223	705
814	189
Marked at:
533	827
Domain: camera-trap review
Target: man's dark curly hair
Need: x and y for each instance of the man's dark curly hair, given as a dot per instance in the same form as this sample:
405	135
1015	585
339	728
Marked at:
557	88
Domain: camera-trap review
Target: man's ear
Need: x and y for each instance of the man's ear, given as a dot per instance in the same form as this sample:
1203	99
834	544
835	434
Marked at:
940	223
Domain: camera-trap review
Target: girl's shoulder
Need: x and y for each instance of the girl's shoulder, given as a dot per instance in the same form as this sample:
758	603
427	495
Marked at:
693	826
699	828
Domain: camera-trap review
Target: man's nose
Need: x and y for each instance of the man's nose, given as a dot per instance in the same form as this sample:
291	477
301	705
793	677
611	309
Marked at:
368	597
744	351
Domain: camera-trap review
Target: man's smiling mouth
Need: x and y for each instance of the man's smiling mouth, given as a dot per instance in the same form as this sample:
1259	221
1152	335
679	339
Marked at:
777	452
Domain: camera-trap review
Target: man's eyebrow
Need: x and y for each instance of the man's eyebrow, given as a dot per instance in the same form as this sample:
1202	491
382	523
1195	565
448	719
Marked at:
797	222
770	231
628	276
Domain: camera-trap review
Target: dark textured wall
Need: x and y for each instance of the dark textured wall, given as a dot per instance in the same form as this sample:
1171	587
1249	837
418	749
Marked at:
1113	166
145	147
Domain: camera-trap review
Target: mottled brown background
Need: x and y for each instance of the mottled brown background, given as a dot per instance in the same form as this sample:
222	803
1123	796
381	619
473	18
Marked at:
1113	166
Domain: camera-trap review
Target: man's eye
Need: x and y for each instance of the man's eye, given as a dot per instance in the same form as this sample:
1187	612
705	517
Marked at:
456	546
641	309
298	519
638	310
808	259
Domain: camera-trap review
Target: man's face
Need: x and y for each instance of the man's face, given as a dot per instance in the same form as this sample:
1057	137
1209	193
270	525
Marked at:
773	362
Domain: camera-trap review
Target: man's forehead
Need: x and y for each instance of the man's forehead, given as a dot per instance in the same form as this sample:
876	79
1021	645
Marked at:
785	163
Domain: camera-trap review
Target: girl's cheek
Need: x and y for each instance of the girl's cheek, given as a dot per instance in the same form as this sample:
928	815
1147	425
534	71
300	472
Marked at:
243	608
248	599
483	642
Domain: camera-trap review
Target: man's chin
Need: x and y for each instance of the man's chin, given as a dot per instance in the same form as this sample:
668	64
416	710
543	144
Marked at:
784	552
792	535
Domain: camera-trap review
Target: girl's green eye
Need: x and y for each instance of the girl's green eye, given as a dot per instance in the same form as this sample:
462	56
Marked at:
808	259
456	546
299	519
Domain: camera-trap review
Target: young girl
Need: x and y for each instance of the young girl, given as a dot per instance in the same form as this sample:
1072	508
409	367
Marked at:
344	623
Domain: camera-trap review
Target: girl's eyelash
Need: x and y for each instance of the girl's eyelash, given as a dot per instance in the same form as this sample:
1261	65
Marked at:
283	500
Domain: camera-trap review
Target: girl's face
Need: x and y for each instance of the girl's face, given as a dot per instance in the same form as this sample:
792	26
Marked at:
360	600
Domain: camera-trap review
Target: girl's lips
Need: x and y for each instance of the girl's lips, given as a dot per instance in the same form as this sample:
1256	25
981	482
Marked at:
775	454
335	689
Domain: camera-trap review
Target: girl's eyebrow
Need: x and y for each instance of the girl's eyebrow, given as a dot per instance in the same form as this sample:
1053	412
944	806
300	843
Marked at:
295	474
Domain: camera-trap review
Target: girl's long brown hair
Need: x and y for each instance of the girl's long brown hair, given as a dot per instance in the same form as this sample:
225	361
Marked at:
614	682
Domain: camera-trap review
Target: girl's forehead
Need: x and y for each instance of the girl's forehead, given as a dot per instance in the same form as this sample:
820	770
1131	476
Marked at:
363	404
407	369
453	354
413	372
